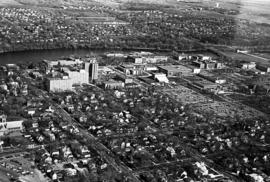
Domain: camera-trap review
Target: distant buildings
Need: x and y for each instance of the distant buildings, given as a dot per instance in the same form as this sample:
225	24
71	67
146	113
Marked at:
64	62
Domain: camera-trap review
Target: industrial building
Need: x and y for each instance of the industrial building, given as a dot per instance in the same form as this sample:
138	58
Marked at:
208	64
263	67
132	69
147	59
213	78
205	85
175	70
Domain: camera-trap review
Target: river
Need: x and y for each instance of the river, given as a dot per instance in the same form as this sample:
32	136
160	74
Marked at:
39	55
54	54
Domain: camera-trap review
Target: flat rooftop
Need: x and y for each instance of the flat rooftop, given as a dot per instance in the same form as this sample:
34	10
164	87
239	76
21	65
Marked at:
175	68
205	83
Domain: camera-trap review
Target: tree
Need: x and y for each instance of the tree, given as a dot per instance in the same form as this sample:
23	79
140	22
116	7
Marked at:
27	124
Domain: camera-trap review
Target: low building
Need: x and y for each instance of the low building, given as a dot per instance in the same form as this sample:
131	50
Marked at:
205	85
148	80
219	65
175	70
151	68
3	86
199	64
208	64
263	67
212	78
10	124
125	79
132	69
182	57
12	67
113	84
105	70
160	77
64	62
248	66
116	55
132	85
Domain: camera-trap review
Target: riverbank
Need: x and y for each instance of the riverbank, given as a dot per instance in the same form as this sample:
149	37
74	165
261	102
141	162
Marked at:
52	54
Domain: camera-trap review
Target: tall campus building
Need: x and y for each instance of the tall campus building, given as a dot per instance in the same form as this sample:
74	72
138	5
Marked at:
93	70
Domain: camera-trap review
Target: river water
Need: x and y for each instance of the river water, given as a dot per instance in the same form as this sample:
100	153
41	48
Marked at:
54	54
39	55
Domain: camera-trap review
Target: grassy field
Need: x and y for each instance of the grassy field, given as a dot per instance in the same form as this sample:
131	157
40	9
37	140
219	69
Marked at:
243	57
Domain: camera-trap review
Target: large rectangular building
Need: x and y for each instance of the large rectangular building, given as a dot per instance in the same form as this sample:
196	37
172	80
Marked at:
175	70
263	67
65	82
205	85
147	59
